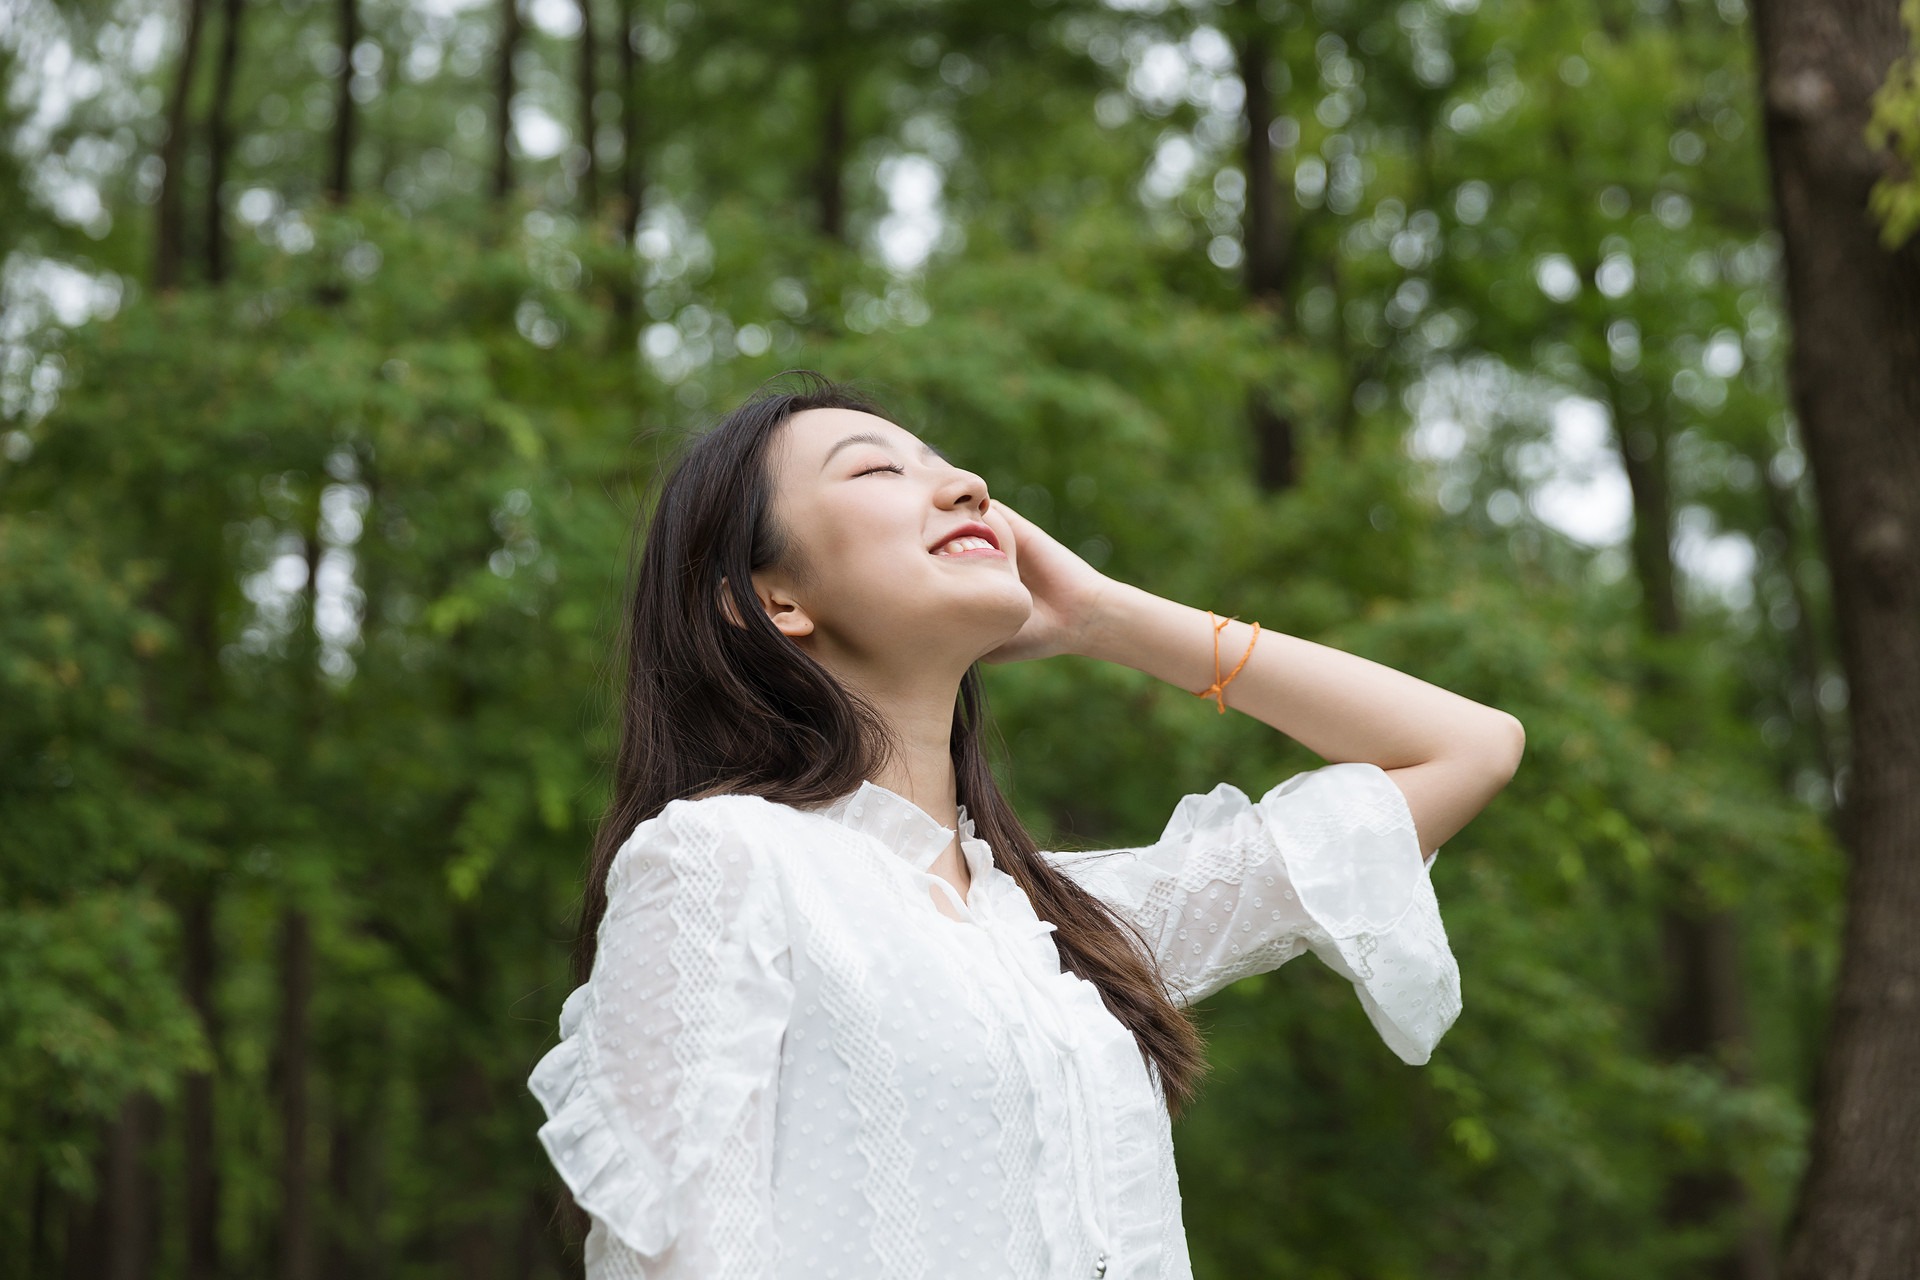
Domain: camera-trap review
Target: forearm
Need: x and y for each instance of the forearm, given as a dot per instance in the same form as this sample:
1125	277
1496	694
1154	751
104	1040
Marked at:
1339	705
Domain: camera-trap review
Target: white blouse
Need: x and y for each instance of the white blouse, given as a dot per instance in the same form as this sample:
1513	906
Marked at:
789	1062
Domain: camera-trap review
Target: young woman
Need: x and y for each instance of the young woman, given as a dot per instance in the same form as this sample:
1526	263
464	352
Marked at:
837	1015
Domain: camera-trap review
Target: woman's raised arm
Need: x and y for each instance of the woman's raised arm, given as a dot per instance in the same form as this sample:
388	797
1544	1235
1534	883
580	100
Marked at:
1449	755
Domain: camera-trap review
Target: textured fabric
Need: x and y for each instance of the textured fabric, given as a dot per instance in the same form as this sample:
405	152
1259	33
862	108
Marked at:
789	1062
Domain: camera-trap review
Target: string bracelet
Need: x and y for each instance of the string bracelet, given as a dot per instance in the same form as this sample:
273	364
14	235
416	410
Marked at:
1218	689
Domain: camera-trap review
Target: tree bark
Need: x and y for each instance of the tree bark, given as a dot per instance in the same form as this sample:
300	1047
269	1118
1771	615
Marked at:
169	248
1854	370
340	172
503	82
220	138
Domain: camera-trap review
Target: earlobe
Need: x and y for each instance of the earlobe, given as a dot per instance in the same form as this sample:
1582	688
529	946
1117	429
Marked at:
782	610
788	616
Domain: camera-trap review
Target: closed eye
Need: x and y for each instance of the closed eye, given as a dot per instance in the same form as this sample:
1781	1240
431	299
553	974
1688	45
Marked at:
897	470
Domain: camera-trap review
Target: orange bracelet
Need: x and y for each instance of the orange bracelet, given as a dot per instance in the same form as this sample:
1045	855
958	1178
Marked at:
1218	689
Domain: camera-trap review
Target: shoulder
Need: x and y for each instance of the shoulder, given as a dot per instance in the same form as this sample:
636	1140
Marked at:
721	835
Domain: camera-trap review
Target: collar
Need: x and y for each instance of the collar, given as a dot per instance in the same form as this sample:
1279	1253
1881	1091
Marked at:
906	829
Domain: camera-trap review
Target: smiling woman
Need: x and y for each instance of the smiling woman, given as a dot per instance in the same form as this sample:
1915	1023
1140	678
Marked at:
837	1013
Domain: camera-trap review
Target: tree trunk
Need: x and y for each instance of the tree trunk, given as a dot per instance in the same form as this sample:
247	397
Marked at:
1263	242
39	1222
503	99
589	90
296	1184
169	249
632	170
220	138
1264	231
1643	456
829	191
1855	374
340	172
201	1155
1803	650
625	288
1702	1018
130	1191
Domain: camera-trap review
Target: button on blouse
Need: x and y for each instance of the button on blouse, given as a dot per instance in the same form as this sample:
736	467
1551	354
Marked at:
790	1062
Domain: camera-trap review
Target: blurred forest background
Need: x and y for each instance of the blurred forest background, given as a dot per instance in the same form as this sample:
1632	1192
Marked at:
340	338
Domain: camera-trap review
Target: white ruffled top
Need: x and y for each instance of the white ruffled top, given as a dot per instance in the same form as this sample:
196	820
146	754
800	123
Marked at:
790	1062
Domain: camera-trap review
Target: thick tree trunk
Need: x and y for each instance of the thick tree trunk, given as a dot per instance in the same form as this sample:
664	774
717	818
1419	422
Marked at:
201	1156
169	241
296	1182
1855	373
589	90
220	138
503	98
340	172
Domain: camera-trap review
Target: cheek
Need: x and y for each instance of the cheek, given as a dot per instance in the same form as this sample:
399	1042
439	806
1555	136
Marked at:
861	541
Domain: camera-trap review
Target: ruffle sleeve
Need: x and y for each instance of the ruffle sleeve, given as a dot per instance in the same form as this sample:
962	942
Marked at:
1328	861
659	1097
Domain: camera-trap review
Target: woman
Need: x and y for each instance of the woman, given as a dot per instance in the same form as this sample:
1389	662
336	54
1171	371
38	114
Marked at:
838	1015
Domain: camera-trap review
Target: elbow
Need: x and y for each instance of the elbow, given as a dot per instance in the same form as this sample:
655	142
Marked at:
1511	737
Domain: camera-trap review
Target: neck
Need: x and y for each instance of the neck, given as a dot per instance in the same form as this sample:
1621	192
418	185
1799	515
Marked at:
918	709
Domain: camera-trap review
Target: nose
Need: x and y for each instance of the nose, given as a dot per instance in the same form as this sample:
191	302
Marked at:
962	488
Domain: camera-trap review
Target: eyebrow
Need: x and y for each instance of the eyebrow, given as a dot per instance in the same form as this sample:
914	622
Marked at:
874	437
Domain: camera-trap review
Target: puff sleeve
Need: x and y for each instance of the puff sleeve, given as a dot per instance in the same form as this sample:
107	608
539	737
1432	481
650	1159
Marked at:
1327	861
660	1095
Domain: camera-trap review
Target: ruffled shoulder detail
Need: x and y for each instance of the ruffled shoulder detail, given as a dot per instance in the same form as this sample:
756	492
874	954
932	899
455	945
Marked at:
659	1096
1347	839
622	1187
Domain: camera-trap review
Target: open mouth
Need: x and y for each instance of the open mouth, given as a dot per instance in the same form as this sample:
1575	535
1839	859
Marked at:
968	540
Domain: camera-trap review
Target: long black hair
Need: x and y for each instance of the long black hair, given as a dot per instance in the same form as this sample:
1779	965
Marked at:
714	707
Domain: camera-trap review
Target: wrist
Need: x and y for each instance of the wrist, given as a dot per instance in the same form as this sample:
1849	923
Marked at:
1105	628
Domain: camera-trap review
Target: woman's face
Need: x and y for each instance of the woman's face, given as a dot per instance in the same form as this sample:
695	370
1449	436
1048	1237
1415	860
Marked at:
873	572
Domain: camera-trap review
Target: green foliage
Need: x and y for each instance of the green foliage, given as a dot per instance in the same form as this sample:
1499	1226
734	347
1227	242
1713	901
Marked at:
308	581
1895	128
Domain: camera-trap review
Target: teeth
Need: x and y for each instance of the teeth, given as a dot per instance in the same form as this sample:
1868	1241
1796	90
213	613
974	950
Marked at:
963	544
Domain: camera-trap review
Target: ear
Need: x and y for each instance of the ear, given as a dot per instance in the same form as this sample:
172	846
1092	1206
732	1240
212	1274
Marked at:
779	604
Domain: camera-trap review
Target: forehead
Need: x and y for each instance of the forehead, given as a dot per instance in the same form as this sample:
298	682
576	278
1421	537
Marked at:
812	433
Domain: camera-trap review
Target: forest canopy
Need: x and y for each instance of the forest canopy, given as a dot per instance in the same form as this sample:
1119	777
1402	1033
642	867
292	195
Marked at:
341	341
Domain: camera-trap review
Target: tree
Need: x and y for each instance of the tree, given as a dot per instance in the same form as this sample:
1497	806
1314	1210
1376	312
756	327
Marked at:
1855	372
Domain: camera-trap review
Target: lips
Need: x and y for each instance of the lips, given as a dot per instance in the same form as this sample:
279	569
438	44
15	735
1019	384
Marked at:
972	529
